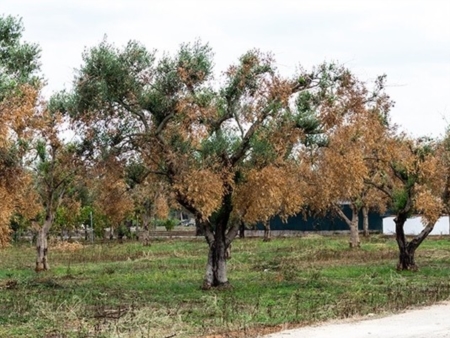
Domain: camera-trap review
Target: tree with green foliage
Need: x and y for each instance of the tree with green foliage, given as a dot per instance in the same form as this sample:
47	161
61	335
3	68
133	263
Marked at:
19	61
216	143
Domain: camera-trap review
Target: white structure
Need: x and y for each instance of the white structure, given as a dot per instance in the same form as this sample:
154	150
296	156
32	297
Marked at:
414	226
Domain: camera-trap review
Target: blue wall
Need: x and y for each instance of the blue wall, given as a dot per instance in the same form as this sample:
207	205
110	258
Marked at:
329	222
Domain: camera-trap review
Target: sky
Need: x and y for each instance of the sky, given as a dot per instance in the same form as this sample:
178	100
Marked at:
409	41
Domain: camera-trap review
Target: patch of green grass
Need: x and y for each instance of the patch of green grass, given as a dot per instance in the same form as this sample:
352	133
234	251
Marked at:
127	290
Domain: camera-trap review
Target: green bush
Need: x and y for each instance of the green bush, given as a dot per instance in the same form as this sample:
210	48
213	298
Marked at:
168	223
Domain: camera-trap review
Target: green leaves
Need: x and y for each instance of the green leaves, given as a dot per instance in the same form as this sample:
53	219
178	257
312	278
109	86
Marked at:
112	77
19	61
41	150
194	64
219	144
246	77
136	172
400	199
9	159
263	151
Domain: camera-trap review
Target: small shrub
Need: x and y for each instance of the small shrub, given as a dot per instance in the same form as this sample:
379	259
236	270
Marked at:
123	231
169	223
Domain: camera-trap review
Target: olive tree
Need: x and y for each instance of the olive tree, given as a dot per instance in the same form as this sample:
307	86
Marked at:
215	142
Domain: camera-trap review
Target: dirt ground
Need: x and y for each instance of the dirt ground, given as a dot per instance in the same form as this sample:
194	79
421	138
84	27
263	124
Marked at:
430	322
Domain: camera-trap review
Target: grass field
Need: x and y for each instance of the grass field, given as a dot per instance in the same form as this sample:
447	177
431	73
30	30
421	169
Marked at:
127	290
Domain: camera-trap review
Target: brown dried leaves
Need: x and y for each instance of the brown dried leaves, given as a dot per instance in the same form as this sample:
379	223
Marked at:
270	191
203	188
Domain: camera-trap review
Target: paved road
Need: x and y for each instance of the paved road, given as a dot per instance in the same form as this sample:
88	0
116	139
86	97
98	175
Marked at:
429	322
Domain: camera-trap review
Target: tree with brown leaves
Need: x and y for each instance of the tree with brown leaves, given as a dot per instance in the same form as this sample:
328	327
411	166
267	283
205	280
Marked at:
19	88
229	149
111	195
412	174
344	164
16	109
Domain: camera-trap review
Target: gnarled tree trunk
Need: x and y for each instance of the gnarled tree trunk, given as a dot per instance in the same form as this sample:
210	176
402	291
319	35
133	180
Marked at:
199	228
216	268
241	229
354	234
219	238
365	213
144	235
407	249
352	224
354	231
267	232
42	246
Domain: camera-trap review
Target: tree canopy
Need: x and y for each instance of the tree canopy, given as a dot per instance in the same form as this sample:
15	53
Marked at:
158	130
229	149
19	61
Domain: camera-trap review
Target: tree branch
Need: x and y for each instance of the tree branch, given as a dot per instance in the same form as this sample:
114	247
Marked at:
140	115
231	234
420	237
246	140
341	214
380	187
209	235
161	127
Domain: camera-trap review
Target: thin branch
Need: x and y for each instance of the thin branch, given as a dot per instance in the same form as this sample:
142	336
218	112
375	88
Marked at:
137	113
161	127
380	187
217	124
163	124
246	140
239	126
397	173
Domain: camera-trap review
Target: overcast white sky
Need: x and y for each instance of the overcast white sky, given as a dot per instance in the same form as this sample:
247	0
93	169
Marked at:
407	40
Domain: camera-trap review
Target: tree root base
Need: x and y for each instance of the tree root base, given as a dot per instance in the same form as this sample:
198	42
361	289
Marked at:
222	286
413	268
